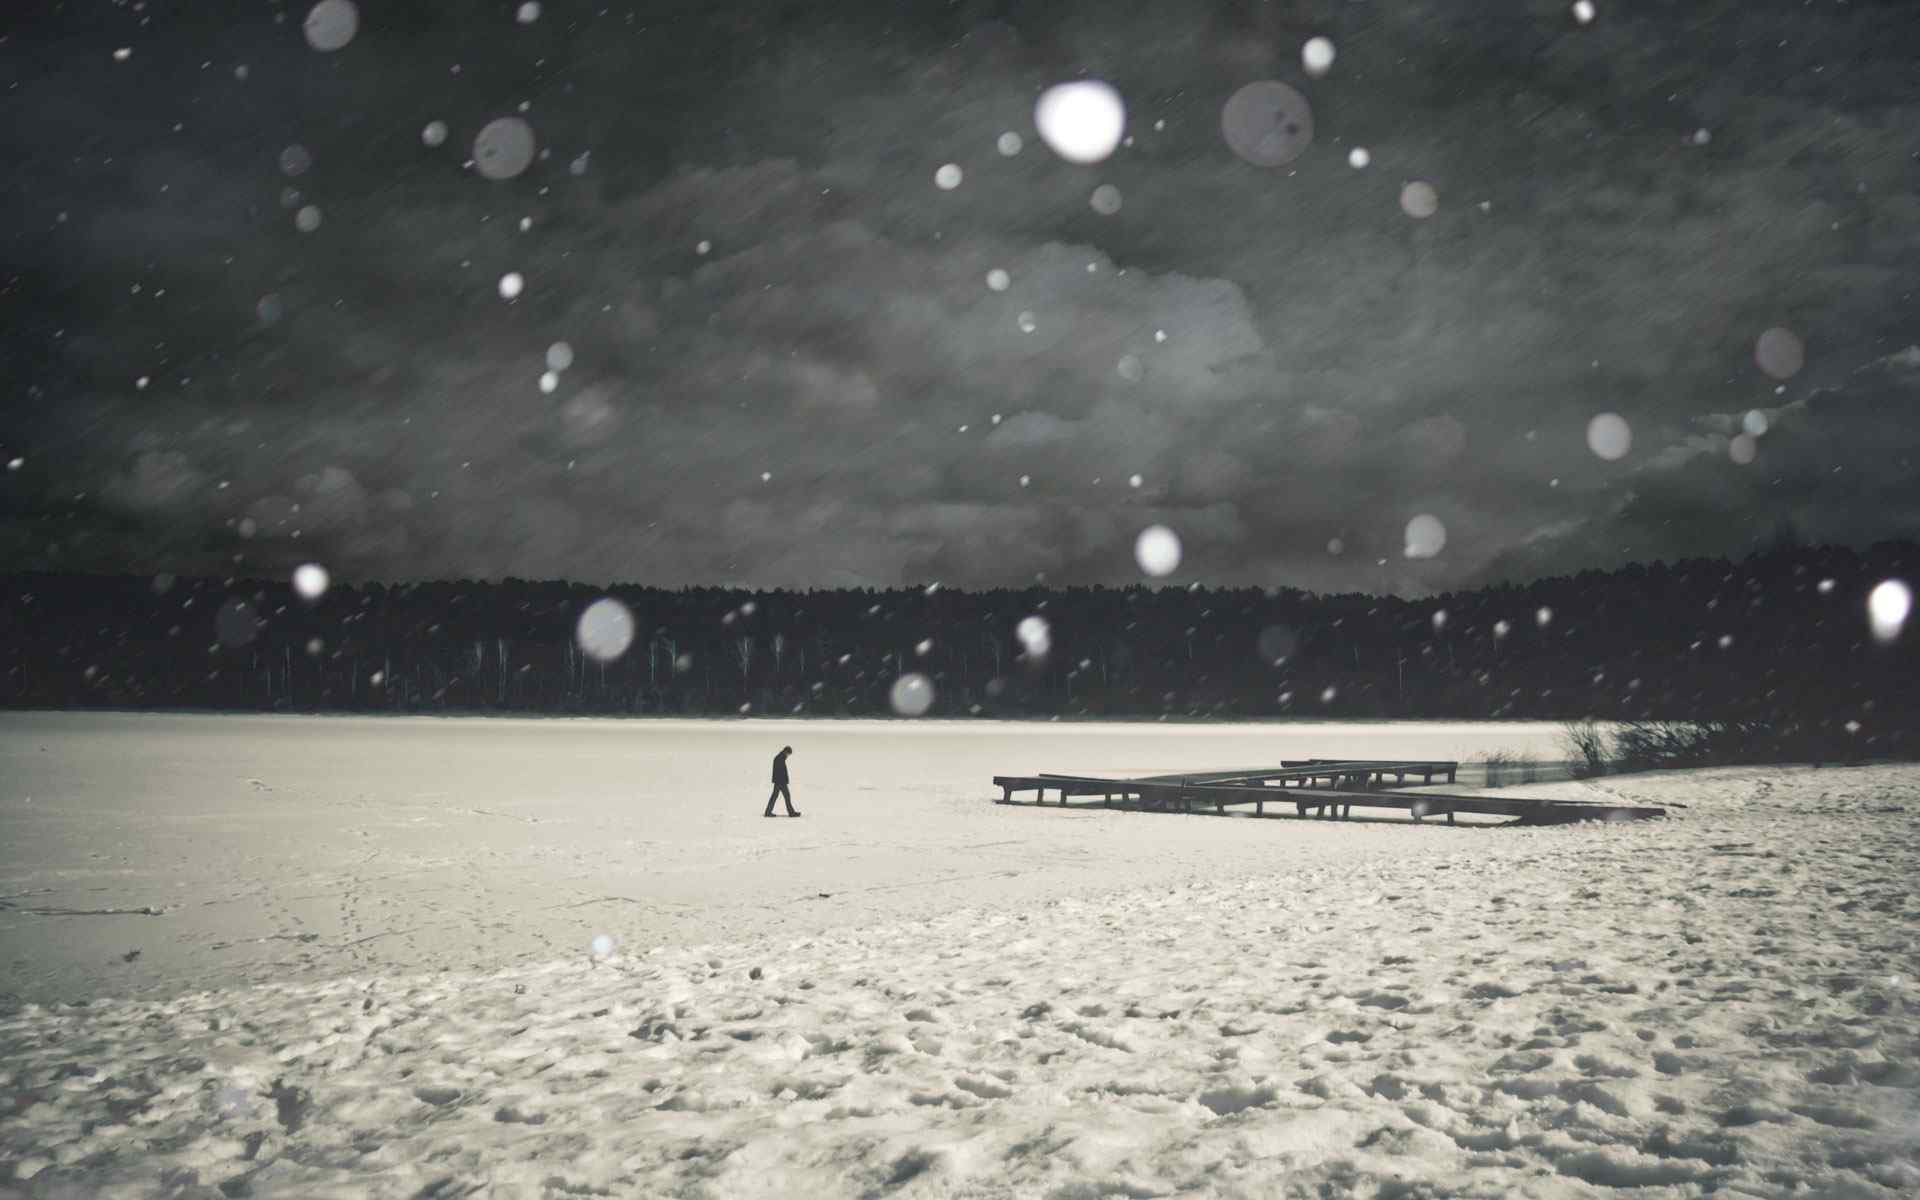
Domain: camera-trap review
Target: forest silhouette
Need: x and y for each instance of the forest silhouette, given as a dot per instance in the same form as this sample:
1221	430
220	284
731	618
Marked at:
1781	636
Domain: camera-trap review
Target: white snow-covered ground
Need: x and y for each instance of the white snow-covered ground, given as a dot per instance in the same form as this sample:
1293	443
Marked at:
286	847
989	1001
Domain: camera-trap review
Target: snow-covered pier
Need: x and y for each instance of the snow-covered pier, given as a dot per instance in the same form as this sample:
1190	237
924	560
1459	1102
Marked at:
1326	787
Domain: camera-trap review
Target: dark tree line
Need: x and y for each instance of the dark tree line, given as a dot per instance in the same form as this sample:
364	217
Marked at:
1763	638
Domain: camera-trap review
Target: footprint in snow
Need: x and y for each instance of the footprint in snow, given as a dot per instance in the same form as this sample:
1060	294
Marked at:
986	1089
1493	991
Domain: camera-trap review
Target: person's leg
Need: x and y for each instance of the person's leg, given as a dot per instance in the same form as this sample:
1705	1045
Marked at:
788	796
777	789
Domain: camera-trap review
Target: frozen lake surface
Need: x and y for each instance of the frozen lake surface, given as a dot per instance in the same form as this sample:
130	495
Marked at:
364	971
285	847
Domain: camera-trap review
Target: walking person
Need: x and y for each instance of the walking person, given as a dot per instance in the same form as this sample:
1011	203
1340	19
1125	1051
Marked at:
780	784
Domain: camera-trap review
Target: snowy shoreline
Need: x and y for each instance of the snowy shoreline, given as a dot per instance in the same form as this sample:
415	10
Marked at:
1720	1000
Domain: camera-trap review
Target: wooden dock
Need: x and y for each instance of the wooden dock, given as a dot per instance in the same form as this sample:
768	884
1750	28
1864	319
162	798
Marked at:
1329	788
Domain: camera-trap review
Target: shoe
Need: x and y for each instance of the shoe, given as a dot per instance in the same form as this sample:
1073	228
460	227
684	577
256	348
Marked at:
793	814
766	814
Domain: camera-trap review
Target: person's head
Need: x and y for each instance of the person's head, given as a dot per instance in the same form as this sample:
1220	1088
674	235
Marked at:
786	750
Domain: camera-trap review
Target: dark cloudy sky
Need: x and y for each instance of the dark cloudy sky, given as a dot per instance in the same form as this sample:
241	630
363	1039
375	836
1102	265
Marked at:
812	402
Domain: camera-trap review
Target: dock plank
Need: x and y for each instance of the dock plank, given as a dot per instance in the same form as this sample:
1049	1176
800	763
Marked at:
1186	794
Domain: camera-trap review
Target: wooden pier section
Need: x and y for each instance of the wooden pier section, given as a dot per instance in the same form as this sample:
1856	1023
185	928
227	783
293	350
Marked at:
1329	788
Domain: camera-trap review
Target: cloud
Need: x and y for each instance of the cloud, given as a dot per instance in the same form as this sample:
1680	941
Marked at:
157	484
1834	465
1283	355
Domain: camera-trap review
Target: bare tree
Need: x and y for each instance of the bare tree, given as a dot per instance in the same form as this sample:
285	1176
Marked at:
663	640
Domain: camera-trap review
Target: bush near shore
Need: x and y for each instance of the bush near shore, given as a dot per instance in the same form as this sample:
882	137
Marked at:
1654	745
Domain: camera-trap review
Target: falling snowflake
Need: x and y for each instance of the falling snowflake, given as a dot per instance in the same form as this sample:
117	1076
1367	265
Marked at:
331	24
1419	200
605	629
1888	606
1317	56
911	695
1036	636
1609	436
1780	353
1082	121
1425	536
1267	123
1157	550
503	148
311	580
